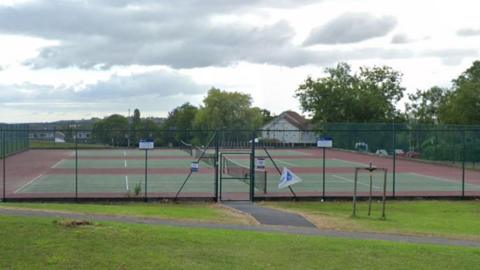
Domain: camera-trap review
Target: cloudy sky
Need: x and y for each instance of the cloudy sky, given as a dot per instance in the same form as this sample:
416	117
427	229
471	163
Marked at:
85	58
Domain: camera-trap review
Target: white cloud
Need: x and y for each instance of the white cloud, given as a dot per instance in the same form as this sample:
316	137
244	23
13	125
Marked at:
105	47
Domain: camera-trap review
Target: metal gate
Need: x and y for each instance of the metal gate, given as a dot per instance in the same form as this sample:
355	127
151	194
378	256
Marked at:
235	177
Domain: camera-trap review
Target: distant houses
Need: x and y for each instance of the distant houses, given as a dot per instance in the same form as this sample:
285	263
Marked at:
52	136
289	127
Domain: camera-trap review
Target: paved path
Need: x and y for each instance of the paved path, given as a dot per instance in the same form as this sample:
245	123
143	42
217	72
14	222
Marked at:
258	228
268	216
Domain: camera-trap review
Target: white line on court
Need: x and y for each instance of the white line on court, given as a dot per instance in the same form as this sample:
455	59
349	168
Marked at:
125	163
350	162
29	183
285	162
351	181
438	178
126	181
58	163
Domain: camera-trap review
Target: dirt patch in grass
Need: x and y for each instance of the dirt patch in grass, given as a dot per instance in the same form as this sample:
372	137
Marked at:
72	223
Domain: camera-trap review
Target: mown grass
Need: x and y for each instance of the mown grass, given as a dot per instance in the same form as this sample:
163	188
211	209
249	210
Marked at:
206	212
457	219
43	243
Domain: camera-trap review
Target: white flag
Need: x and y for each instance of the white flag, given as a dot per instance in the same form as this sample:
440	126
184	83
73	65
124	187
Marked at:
288	178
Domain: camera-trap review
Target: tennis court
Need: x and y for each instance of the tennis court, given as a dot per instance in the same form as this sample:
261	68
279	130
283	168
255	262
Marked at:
120	173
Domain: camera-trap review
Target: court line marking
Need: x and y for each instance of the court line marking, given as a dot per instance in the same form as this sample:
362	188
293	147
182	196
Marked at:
351	181
27	184
126	181
286	162
440	178
58	163
350	162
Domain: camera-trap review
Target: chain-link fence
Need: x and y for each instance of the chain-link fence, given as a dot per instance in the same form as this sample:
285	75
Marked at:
69	164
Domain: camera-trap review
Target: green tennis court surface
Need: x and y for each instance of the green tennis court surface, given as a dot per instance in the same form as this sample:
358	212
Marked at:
205	183
112	181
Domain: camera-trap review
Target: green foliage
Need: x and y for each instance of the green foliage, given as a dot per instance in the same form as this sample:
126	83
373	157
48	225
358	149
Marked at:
424	105
367	96
111	130
462	105
227	110
115	130
137	189
181	118
457	105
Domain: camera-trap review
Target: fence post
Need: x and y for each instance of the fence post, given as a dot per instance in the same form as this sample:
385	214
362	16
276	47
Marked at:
4	158
216	165
252	169
146	174
323	177
76	166
463	162
394	158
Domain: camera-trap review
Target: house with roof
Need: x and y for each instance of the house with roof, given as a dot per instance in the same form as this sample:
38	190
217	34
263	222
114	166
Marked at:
289	127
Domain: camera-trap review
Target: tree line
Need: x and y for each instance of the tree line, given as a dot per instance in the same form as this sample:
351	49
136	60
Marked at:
369	95
220	110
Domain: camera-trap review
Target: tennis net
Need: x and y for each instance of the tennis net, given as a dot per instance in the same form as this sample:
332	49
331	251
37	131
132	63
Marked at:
203	155
242	172
187	148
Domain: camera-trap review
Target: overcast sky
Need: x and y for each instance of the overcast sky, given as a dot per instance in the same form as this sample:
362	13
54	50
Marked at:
83	58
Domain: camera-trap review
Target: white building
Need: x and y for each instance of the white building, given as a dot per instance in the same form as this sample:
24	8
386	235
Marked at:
57	136
289	127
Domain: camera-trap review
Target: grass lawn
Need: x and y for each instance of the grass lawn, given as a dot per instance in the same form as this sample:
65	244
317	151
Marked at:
206	212
456	219
41	243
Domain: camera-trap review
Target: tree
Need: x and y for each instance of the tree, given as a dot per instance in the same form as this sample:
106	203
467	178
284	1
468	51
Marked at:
462	103
266	116
111	130
181	118
179	122
424	105
135	126
228	110
136	118
342	96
